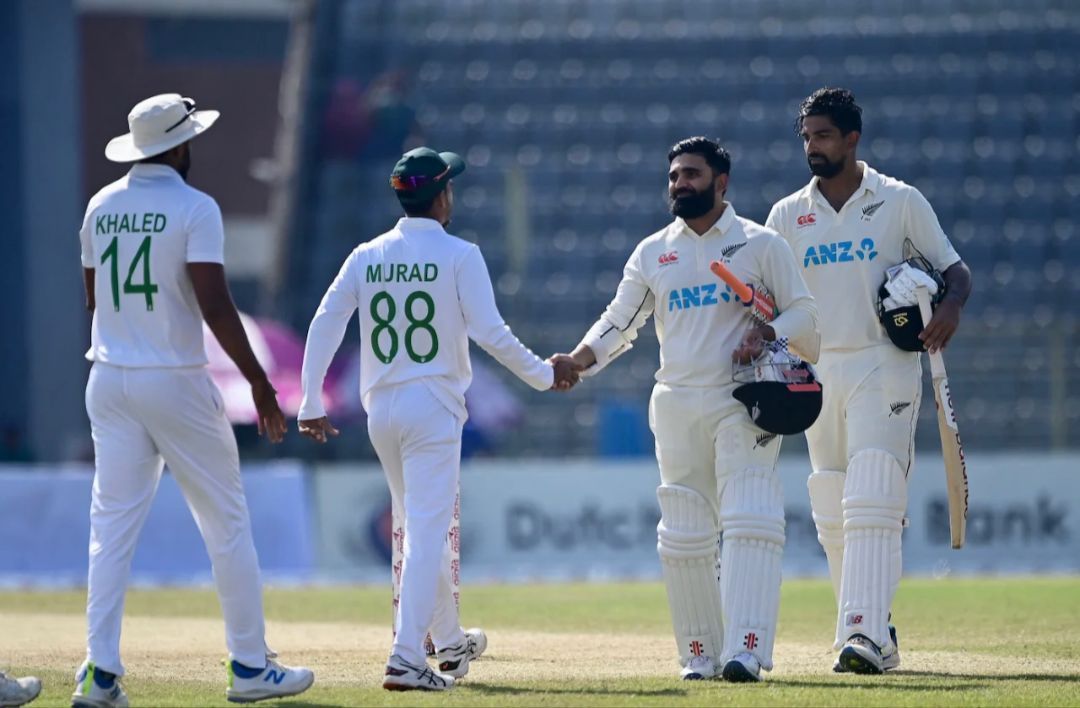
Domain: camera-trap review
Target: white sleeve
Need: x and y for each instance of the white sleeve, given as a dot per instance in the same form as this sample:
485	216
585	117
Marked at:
614	333
922	227
206	233
798	319
773	222
86	243
324	337
486	327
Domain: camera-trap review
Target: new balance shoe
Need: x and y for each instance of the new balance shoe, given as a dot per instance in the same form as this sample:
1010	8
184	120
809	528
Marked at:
95	688
247	684
743	668
18	691
698	668
888	661
403	676
454	661
861	656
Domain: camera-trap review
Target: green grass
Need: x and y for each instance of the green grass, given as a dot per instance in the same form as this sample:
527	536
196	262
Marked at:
965	642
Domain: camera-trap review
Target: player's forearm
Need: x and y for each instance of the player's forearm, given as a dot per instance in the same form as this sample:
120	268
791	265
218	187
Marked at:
583	355
88	286
957	282
508	350
799	324
325	334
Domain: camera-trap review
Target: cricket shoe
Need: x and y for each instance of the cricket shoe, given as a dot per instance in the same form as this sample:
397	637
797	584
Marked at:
743	668
95	688
454	661
698	668
888	661
403	676
18	692
861	656
247	685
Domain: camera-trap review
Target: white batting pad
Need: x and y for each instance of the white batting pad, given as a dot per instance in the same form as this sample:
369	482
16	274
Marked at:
826	503
875	497
687	539
752	518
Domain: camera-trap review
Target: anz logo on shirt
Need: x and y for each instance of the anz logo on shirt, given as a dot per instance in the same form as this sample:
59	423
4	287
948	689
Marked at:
839	252
699	296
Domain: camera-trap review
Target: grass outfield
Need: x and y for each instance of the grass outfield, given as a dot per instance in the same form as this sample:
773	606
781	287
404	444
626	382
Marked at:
964	642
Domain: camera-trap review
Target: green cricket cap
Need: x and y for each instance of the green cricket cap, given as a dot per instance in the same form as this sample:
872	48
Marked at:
421	174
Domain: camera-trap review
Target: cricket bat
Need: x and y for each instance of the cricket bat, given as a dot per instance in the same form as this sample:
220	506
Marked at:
762	306
956	479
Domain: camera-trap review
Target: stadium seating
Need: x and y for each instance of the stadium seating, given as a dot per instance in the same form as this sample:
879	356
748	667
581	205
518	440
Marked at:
564	110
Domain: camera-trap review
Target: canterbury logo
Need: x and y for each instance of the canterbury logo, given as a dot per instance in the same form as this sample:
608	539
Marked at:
898	407
729	251
668	258
764	439
806	220
869	210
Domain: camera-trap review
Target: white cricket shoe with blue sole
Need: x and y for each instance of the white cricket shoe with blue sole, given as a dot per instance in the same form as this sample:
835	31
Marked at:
699	668
888	661
274	681
742	668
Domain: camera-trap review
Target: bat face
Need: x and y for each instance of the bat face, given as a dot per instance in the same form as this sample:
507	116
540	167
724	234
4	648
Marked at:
955	466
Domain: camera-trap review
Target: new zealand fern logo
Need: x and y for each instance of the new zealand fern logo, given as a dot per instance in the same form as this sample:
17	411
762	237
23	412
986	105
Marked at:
729	251
871	209
898	407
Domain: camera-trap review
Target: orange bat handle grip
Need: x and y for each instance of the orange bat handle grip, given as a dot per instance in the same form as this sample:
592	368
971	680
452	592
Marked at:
745	293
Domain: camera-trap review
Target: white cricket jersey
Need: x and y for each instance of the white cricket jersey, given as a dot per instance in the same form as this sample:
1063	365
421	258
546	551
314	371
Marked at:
699	322
843	256
139	234
422	294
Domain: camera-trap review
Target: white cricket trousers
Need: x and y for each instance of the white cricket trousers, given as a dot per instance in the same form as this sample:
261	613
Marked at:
140	419
418	441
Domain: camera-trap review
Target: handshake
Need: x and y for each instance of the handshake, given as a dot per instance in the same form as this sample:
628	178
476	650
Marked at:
567	371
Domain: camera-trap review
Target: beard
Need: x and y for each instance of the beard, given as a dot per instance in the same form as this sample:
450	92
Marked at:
824	168
692	205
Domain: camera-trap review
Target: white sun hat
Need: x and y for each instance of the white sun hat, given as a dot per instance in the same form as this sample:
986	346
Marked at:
158	124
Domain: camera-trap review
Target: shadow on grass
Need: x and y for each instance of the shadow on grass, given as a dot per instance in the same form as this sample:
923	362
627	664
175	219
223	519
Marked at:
493	689
883	685
1066	678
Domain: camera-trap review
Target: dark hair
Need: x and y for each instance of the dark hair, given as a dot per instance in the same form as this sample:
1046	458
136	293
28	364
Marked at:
836	103
718	158
418	208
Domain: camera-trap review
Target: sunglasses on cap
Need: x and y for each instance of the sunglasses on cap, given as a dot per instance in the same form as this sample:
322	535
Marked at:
189	104
403	183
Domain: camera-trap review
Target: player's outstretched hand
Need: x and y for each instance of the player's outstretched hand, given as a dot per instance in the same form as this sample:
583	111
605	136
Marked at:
318	429
271	420
567	371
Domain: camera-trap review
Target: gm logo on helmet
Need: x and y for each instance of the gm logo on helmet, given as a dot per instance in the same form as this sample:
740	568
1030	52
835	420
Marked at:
900	319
